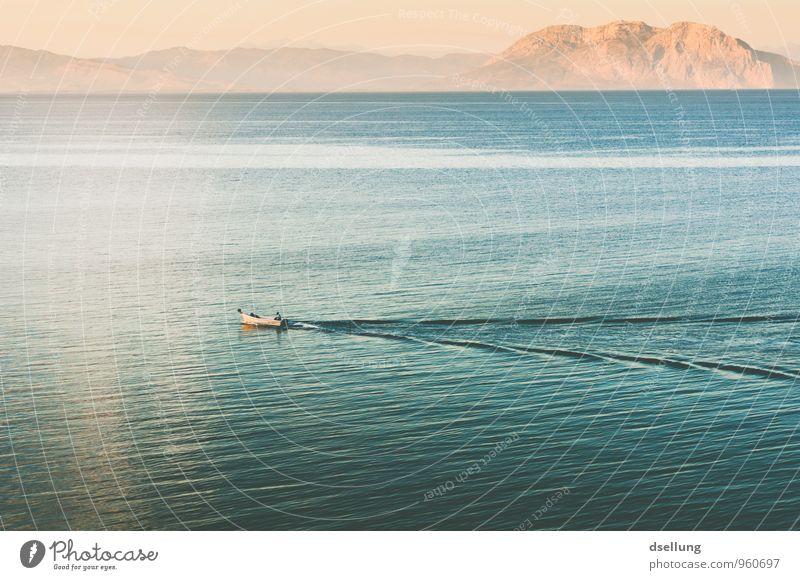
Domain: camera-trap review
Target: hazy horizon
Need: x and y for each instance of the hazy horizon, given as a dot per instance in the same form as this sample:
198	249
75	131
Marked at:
119	28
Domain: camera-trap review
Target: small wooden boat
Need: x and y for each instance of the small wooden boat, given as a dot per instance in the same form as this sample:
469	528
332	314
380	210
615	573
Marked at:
256	320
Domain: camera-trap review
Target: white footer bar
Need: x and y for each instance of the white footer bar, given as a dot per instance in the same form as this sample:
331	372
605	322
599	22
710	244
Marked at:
379	555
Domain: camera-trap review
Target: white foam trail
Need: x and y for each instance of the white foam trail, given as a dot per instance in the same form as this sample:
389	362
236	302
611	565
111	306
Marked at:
335	156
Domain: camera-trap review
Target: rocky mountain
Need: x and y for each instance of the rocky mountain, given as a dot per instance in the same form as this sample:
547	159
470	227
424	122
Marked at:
619	55
634	55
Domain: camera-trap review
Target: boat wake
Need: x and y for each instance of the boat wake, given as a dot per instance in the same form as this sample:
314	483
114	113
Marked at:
597	320
774	372
303	326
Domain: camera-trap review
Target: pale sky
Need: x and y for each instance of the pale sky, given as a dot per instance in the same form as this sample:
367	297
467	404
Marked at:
96	28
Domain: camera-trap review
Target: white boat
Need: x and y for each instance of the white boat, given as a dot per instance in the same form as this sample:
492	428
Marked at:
256	320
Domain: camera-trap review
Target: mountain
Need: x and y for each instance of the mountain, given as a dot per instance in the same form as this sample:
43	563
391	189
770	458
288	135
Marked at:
790	50
633	55
619	55
40	71
785	72
182	69
291	69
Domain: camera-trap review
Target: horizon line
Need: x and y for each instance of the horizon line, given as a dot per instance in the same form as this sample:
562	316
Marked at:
397	92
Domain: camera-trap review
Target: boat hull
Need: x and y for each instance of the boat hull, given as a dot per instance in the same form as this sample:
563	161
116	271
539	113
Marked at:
256	321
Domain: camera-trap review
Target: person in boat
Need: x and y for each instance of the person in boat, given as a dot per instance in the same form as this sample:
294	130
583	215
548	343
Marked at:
278	316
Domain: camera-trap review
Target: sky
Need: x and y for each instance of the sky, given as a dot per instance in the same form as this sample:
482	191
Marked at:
113	28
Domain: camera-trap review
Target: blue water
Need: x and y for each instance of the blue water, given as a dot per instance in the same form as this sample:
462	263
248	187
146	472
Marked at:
527	311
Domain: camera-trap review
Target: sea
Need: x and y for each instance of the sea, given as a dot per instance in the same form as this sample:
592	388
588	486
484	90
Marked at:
507	311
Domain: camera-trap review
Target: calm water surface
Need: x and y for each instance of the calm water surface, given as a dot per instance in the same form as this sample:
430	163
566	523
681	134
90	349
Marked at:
574	310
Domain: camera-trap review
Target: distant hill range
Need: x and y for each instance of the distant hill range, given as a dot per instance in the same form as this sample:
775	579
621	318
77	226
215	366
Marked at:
619	55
